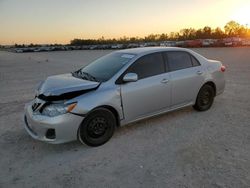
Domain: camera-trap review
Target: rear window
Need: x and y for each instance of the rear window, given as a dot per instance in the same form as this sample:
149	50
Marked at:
195	61
178	60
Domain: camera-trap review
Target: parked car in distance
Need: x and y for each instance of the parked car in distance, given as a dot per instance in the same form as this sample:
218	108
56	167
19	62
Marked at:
122	87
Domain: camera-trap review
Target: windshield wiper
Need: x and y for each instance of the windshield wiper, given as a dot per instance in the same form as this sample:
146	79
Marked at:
90	77
84	75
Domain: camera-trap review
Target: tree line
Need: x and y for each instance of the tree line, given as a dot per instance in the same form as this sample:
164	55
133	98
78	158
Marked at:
231	29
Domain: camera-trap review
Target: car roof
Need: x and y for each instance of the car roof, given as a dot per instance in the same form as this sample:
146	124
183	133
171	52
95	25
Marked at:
148	50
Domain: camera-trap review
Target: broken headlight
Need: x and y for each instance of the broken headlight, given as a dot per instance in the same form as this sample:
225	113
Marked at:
57	109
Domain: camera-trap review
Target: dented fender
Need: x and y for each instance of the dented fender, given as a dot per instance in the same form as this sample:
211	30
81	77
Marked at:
103	96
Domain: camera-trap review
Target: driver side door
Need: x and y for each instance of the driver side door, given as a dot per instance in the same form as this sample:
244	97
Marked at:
151	92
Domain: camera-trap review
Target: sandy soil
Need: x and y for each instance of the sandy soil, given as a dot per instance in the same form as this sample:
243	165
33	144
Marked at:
179	149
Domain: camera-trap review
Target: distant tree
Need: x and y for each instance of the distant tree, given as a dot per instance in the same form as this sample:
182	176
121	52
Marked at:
101	40
243	31
163	37
174	36
150	38
248	31
188	33
133	39
123	40
19	45
207	32
232	28
204	33
184	34
199	34
218	33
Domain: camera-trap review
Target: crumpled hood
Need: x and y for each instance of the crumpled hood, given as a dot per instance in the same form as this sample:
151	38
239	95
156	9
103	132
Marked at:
65	84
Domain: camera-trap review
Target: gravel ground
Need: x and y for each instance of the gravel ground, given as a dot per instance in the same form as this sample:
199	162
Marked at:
184	148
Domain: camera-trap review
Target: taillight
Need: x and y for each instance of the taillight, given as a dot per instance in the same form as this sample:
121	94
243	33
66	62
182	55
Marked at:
223	68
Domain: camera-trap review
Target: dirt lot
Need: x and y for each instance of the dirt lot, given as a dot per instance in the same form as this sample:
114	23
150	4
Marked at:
179	149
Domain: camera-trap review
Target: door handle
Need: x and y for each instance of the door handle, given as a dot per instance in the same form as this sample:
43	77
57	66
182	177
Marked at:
164	81
199	72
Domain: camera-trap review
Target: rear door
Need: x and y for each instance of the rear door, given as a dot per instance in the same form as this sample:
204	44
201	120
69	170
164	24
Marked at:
151	93
186	77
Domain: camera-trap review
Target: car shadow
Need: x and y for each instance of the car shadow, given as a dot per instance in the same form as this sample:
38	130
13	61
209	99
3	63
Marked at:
157	120
22	138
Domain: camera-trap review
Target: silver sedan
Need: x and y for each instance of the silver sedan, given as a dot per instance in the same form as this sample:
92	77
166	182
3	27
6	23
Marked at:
119	88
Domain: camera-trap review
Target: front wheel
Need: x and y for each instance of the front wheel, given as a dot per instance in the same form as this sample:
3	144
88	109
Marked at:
97	128
205	98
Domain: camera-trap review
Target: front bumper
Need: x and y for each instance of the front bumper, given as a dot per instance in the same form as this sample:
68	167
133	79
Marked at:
58	129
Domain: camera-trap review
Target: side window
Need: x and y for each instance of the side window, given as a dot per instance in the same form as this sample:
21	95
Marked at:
148	65
178	60
195	61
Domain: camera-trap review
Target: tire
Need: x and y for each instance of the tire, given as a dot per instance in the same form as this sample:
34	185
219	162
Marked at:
205	98
97	128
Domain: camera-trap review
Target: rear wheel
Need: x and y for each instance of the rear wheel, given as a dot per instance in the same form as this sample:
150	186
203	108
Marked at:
97	128
205	98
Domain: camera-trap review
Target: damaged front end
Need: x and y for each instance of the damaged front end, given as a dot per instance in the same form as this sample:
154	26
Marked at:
64	87
64	96
52	95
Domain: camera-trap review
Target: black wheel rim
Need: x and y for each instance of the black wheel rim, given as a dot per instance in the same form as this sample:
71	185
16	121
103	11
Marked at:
205	98
97	127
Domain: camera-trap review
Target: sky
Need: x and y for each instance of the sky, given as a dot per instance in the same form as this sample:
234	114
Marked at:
59	21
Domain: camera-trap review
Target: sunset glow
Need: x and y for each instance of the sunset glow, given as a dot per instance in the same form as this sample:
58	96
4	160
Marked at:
242	14
59	21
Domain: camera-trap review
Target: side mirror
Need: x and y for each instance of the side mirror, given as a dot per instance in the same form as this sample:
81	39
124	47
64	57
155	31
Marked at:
130	77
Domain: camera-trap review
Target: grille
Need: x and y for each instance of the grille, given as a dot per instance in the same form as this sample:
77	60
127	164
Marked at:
35	106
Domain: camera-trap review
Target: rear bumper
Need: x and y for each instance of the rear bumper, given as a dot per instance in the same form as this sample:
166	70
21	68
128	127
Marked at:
59	129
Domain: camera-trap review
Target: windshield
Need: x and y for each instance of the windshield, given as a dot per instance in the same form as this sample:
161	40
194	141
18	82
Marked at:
105	67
